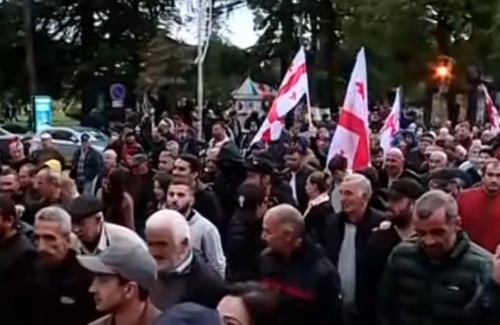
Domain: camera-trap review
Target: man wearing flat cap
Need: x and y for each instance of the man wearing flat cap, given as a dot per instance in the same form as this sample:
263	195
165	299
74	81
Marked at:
124	276
85	165
93	233
402	196
449	180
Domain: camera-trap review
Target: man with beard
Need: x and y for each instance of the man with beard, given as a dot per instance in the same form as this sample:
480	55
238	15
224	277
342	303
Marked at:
402	196
204	235
182	274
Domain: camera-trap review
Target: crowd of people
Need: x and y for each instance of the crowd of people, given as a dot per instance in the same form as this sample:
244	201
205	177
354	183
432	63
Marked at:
175	232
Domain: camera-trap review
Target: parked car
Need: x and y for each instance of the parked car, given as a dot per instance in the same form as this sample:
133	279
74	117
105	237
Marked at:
67	139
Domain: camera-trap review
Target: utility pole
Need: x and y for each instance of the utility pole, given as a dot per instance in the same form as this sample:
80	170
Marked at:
204	33
30	58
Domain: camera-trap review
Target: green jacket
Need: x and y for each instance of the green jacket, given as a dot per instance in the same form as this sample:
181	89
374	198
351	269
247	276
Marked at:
418	291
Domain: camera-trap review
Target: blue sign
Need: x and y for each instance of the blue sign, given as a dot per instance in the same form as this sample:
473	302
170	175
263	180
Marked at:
117	92
43	111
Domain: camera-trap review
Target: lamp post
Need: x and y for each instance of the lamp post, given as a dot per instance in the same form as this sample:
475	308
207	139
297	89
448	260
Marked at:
204	33
30	57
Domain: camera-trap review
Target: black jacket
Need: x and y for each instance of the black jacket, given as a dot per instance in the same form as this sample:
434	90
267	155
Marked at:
17	256
307	283
92	165
335	236
316	219
62	293
207	204
300	187
197	283
244	246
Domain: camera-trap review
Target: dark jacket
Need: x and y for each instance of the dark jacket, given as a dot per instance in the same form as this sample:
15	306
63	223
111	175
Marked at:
62	294
307	283
335	236
416	290
92	164
316	218
300	187
207	204
380	246
244	246
17	256
197	283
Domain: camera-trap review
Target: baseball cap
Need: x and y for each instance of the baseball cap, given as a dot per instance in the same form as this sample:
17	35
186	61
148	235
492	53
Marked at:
84	206
189	313
405	188
54	165
130	261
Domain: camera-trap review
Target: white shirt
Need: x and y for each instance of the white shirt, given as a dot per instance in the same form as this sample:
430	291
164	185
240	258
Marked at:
293	186
347	264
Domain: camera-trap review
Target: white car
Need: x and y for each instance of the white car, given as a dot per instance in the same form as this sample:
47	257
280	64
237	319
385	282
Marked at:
67	139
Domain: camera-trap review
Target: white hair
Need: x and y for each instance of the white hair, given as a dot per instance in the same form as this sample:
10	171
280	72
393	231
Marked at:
170	221
56	214
362	181
441	154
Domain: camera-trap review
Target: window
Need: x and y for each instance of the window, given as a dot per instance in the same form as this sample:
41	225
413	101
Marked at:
61	135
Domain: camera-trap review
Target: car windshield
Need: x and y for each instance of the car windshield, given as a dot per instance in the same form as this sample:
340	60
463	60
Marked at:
97	135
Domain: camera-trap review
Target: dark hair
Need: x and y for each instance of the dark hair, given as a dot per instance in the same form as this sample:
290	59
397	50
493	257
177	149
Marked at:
31	168
8	171
7	207
338	162
321	180
262	304
163	180
116	187
143	293
193	161
182	180
376	151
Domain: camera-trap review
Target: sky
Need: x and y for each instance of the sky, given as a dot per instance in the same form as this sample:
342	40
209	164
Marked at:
238	30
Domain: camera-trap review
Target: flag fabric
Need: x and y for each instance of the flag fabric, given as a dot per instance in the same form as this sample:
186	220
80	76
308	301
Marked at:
491	110
351	138
293	87
391	125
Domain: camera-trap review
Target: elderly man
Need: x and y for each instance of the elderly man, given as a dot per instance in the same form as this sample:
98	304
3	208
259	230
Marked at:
183	276
394	168
94	234
437	278
62	285
297	268
437	159
348	236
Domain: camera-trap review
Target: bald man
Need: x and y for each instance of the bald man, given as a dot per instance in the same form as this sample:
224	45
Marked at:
183	276
394	168
299	270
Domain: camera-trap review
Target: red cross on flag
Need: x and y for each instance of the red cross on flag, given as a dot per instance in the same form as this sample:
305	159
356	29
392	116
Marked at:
391	125
492	110
351	138
293	87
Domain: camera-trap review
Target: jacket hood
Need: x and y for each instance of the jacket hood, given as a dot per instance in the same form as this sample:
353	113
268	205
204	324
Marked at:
189	314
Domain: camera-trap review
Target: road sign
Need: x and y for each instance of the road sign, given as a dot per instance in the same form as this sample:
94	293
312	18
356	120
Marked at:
117	92
43	111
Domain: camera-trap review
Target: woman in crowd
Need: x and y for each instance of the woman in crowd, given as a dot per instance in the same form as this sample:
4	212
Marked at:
119	207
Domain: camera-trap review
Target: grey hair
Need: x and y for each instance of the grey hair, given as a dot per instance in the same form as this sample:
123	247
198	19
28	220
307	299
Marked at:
433	200
362	181
56	214
288	214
